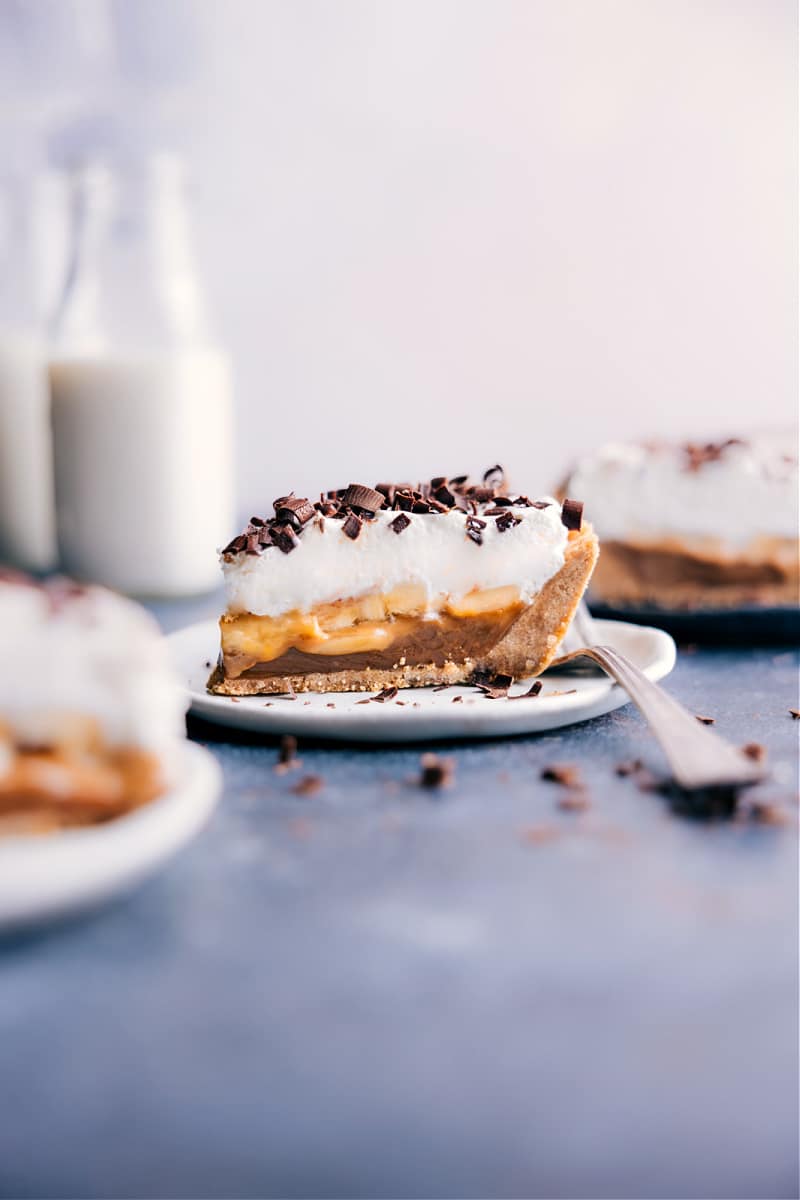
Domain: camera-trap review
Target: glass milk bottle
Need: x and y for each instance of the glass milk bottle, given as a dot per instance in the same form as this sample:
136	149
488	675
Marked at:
27	513
142	398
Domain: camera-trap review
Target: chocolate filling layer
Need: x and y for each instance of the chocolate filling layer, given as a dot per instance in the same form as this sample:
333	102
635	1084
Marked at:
444	639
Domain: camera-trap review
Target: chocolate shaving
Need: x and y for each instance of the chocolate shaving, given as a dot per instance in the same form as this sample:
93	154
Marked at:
387	490
533	690
506	520
288	750
795	713
565	774
436	772
352	526
482	679
287	755
764	813
292	509
755	751
705	720
572	514
284	537
366	498
400	522
629	767
697	455
309	785
387	694
493	687
404	499
475	527
357	503
443	495
539	835
456	699
494	477
236	545
574	802
540	504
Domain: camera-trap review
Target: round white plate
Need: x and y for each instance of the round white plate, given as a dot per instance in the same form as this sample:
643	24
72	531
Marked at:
54	875
421	714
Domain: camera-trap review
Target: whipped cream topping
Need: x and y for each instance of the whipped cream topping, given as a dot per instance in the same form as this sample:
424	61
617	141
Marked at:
67	650
733	492
433	551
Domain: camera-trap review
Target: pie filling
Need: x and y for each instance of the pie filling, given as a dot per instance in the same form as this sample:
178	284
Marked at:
404	627
75	776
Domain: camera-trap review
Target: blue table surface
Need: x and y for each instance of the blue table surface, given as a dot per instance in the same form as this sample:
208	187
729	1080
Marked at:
380	991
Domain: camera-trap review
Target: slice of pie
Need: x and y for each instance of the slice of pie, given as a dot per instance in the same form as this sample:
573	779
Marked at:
91	711
400	586
696	525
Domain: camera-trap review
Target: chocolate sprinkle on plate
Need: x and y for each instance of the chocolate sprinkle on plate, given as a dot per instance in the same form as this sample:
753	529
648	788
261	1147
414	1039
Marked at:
309	785
436	772
795	712
387	694
565	774
533	690
755	751
573	802
705	720
288	750
572	514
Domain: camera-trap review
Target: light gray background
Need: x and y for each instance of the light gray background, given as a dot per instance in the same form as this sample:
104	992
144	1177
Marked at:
442	232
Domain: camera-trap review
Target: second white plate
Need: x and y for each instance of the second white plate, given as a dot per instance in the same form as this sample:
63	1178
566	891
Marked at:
421	714
54	875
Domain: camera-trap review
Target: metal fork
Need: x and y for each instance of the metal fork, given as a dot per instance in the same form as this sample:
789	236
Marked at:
697	757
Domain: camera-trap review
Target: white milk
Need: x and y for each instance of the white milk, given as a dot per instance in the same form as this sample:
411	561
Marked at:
143	461
27	514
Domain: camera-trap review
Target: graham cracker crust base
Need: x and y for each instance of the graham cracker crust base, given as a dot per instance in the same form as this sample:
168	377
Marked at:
527	648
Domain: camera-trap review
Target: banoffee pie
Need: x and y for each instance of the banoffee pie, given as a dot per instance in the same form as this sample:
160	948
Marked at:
695	525
400	586
91	712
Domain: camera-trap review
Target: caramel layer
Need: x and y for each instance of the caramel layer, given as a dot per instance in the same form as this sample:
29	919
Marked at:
435	641
402	626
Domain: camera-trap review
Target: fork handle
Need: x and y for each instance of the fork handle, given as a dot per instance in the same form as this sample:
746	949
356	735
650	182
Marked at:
697	756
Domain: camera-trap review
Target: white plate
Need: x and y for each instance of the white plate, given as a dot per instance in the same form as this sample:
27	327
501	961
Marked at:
421	714
54	875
